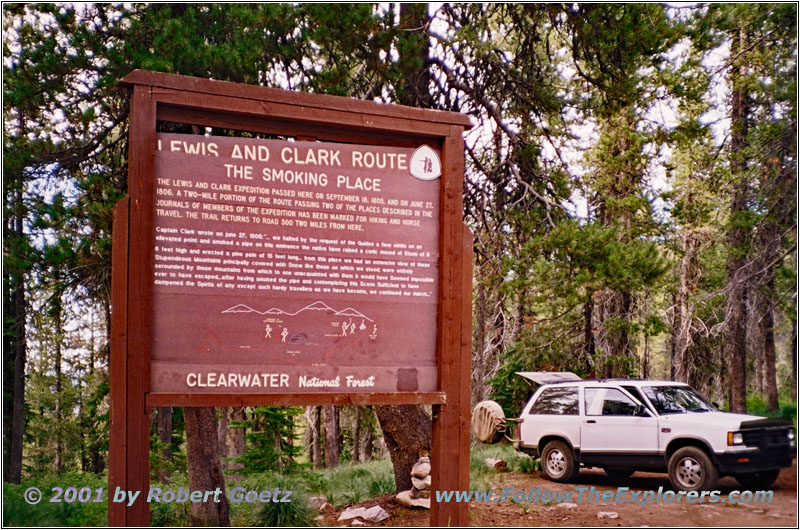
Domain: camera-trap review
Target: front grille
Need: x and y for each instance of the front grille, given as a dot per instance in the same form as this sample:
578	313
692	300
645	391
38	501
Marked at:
766	437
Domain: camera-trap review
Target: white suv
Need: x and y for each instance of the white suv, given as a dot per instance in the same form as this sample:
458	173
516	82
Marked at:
627	425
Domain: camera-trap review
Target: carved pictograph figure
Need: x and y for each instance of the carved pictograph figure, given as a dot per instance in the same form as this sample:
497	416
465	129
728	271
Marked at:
310	333
374	334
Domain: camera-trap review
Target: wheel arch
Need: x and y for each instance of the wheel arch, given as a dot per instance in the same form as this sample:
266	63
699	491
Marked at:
686	441
547	438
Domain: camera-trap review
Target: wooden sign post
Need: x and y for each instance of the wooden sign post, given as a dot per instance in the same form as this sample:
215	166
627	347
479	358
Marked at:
330	271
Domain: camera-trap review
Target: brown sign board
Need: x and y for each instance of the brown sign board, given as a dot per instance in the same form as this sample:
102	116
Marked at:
285	266
332	268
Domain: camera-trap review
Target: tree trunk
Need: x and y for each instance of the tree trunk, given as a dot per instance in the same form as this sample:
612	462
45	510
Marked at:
794	360
9	353
755	333
312	436
59	427
736	316
683	367
614	340
164	429
356	436
236	447
331	437
205	472
588	335
222	436
415	91
479	344
316	437
407	432
736	310
768	332
367	441
672	341
17	316
758	346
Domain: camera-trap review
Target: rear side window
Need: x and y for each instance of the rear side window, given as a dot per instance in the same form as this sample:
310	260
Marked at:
608	402
557	400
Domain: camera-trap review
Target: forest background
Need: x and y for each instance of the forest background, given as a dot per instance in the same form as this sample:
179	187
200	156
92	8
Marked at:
631	184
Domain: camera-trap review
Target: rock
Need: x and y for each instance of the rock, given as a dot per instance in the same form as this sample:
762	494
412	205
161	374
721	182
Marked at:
569	505
420	494
376	514
421	483
326	508
607	515
496	463
319	518
422	468
404	498
352	513
357	522
317	502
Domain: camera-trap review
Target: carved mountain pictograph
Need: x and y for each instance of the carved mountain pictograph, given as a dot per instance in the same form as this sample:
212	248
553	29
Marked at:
303	337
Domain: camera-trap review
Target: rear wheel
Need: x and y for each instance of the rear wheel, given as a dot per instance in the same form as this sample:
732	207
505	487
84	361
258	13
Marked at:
558	462
760	480
690	469
619	472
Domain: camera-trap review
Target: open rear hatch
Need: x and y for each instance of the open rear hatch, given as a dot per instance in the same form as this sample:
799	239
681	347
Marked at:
547	378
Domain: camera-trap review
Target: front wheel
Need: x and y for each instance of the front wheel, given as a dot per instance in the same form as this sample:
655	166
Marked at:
558	462
760	480
690	469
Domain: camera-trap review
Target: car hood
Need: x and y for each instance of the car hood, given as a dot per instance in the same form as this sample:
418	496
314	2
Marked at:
727	420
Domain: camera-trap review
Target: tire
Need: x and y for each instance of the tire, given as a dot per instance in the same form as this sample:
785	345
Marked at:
760	480
619	472
558	462
690	469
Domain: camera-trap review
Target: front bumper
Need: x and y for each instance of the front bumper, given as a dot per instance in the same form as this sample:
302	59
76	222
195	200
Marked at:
753	461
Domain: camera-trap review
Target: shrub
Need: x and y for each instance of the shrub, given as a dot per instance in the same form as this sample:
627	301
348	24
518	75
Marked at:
17	512
294	513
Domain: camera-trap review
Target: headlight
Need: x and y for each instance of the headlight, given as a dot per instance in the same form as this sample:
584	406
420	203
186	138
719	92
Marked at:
735	438
790	436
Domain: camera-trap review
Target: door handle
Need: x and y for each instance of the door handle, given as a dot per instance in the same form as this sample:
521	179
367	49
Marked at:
590	421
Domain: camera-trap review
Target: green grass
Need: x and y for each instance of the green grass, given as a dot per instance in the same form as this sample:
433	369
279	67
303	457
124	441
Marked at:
17	512
348	484
481	476
345	485
351	484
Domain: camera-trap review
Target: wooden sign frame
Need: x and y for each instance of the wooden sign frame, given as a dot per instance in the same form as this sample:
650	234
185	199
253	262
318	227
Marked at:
167	97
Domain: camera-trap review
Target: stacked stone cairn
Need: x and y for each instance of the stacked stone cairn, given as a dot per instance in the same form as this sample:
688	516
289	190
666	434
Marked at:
420	493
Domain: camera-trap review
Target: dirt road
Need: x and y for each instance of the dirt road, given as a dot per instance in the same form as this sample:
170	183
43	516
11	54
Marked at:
781	512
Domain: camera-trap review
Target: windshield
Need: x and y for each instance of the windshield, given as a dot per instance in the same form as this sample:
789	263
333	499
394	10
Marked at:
676	399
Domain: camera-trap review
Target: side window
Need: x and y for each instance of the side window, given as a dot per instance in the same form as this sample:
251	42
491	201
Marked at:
557	400
637	394
608	402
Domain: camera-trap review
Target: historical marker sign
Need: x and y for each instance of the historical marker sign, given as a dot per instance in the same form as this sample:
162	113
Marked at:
330	270
294	266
